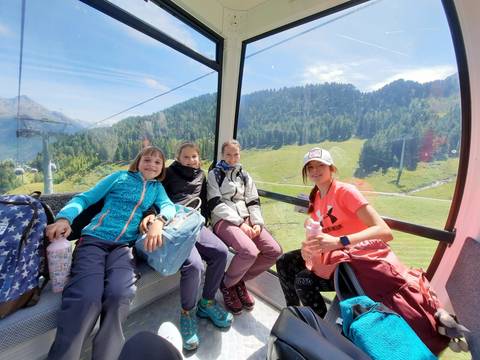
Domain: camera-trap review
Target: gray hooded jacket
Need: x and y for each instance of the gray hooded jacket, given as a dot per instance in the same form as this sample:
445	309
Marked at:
232	196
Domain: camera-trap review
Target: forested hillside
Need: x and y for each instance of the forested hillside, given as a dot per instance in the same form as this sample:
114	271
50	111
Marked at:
427	116
424	119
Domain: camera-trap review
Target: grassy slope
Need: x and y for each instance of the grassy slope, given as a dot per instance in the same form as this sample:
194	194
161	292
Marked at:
79	182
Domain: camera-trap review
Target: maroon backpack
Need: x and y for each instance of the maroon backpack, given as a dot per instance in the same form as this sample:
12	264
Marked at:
405	290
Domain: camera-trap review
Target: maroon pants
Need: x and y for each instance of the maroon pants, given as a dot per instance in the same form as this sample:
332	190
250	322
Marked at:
252	256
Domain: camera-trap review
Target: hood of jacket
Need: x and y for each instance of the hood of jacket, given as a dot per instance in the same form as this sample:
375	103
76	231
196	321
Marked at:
183	183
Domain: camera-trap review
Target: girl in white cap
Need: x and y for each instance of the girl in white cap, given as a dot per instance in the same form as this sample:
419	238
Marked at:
346	218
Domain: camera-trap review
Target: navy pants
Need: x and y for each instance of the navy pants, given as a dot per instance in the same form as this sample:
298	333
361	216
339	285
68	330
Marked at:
211	249
102	284
300	284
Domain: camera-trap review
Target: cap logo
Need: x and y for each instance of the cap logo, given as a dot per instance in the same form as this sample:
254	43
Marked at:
315	153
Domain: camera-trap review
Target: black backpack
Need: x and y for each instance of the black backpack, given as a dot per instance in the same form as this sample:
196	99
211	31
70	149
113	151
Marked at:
301	334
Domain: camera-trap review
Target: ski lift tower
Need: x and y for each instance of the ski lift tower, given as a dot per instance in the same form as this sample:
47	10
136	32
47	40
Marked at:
28	132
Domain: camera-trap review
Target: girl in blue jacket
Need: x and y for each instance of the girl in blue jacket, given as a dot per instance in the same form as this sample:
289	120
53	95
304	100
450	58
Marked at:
102	279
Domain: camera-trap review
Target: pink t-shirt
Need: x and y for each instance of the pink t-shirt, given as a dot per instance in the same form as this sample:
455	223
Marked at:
338	209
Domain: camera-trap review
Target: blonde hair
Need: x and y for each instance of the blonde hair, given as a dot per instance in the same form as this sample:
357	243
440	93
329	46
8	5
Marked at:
188	144
231	142
149	150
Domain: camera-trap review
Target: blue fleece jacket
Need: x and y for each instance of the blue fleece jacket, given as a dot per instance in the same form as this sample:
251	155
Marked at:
127	196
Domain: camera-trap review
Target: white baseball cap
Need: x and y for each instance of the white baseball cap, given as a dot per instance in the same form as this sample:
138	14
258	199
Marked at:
317	154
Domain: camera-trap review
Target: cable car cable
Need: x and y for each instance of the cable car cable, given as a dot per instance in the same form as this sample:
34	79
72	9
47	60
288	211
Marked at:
20	66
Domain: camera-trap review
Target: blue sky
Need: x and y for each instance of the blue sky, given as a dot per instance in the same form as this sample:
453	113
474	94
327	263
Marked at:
369	46
88	66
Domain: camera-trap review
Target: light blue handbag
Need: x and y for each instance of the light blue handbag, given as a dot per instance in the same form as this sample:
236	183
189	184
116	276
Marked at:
179	237
380	332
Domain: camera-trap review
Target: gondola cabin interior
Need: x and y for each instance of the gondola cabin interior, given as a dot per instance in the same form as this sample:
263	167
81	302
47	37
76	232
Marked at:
389	87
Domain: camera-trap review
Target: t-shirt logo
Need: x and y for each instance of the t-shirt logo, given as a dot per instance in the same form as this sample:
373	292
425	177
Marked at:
329	214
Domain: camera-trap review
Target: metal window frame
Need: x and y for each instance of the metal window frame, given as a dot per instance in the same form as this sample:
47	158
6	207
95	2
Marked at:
446	236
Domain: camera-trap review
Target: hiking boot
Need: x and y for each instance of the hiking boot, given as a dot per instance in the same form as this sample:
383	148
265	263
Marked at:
188	329
246	299
231	300
210	309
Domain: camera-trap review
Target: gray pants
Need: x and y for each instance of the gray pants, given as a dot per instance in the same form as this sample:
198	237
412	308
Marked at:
102	284
211	249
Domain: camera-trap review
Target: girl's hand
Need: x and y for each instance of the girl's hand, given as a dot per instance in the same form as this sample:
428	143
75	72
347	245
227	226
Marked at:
147	220
153	240
61	227
322	243
247	230
257	230
307	222
306	254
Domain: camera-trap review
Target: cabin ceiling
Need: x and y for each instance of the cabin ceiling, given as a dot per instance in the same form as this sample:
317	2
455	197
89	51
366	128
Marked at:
244	19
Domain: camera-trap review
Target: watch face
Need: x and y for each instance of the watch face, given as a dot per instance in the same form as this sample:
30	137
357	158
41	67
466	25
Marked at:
344	240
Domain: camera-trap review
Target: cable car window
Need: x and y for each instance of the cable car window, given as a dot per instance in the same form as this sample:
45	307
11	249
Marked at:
377	85
91	92
151	13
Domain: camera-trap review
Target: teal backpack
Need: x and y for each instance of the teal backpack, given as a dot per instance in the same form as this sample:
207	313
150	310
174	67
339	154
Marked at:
380	332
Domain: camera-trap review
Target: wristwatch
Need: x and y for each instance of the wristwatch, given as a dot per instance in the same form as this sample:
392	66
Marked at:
345	240
162	218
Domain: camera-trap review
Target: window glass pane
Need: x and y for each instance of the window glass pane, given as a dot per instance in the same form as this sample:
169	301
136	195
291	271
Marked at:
9	55
376	85
154	15
96	91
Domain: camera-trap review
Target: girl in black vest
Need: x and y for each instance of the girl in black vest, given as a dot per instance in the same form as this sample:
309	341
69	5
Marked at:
186	180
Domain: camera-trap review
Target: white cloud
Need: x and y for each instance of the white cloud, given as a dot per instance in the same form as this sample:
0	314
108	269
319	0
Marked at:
340	73
421	75
154	84
4	30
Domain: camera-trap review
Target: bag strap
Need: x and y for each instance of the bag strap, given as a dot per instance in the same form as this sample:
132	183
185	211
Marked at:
346	283
306	314
199	205
36	194
360	309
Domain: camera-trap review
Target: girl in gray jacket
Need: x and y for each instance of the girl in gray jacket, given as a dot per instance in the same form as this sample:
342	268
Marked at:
237	220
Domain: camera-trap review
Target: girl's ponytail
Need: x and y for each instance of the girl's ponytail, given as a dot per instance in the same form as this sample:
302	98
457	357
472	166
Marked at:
311	199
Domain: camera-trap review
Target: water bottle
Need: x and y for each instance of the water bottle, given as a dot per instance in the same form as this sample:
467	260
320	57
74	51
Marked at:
313	228
59	256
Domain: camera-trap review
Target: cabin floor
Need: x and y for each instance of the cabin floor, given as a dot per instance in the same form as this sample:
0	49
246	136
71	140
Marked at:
246	339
